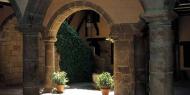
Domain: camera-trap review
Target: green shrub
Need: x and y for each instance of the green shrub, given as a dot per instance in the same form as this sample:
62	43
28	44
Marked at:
104	80
60	78
75	56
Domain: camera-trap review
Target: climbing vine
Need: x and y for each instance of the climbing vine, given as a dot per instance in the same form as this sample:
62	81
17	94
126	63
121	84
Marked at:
75	56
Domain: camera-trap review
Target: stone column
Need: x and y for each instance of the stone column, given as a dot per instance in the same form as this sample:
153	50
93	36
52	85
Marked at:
140	65
49	62
123	60
30	60
161	54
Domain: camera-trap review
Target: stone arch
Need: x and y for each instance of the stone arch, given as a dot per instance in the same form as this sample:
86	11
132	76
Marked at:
16	9
7	19
67	10
53	26
11	52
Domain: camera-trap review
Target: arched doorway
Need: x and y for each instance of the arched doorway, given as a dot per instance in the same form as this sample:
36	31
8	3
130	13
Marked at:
54	25
123	44
82	40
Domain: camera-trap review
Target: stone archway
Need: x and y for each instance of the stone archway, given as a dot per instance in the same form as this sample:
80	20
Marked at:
64	12
54	25
123	47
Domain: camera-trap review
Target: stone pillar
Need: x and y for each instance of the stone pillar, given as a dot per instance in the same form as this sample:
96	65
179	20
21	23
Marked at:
140	65
161	54
49	62
123	60
30	60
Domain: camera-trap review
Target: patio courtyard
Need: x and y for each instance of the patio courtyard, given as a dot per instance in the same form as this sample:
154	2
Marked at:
144	45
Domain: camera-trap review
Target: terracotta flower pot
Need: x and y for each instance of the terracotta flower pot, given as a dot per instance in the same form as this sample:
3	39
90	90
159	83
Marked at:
105	91
60	88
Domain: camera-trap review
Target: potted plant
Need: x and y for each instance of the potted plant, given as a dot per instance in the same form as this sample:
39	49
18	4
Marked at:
104	82
60	79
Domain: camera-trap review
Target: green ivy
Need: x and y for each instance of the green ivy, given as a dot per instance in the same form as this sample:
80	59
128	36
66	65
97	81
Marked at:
75	56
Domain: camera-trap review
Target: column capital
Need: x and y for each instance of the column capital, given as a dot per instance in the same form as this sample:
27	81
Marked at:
29	29
49	35
25	26
161	16
50	39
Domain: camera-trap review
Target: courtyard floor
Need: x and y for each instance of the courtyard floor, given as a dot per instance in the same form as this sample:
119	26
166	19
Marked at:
80	92
87	89
81	89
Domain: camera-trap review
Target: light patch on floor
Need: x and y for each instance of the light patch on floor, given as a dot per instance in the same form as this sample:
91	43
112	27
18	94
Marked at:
80	92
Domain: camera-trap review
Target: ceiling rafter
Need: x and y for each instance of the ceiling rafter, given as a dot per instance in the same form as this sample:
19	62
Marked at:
183	7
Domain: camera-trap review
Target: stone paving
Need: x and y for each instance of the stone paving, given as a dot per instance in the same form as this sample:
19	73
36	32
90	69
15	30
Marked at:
80	89
80	92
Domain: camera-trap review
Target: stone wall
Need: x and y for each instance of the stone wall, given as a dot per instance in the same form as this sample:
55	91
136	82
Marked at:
11	54
120	12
